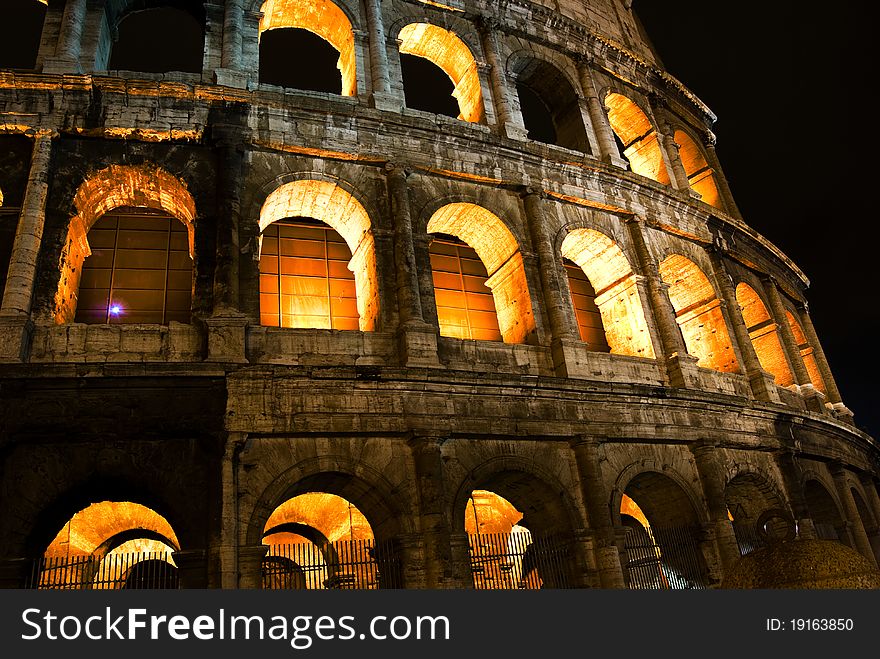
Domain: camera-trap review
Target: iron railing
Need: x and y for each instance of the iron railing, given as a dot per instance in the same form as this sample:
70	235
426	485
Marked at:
137	570
664	558
345	564
747	538
517	561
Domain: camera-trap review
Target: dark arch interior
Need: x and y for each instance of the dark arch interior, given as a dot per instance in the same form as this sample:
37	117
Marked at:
158	40
663	501
296	58
748	496
546	93
826	516
153	574
427	87
20	32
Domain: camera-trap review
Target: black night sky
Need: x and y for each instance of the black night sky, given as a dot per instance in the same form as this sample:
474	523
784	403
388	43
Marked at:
788	83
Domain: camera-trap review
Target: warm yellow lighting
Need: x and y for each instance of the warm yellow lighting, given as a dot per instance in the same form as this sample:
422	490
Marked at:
450	53
489	513
806	351
334	517
641	147
631	508
326	20
701	178
764	335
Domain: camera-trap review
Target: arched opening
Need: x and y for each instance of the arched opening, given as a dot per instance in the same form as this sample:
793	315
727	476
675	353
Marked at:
20	32
8	226
641	146
748	496
519	533
281	47
701	177
110	545
597	264
324	19
137	236
764	335
169	36
425	87
302	279
826	515
663	539
698	313
139	270
872	530
550	106
498	252
806	352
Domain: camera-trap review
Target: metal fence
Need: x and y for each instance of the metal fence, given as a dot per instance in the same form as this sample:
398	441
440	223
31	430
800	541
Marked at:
345	564
747	538
138	570
517	561
664	558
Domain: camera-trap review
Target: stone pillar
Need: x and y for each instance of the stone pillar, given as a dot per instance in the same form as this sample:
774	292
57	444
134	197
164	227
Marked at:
668	147
228	550
15	312
831	390
717	173
596	497
69	45
233	21
192	567
510	122
227	325
250	566
379	74
16	572
855	522
680	366
801	377
461	560
711	475
873	503
608	150
434	522
791	477
762	383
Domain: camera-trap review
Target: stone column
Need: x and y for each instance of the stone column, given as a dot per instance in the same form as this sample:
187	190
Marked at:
233	21
831	390
227	325
718	174
762	383
668	147
855	522
596	497
250	566
228	550
69	45
608	150
461	560
680	366
379	73
15	312
711	475
417	339
801	376
510	122
192	568
873	503
791	477
17	572
434	522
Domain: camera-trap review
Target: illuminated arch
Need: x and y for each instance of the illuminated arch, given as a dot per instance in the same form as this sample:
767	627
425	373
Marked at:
325	19
329	203
764	335
499	251
141	186
701	177
641	146
452	55
806	352
699	315
617	296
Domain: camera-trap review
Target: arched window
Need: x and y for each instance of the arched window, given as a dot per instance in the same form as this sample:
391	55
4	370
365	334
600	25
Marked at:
498	251
160	39
605	295
638	137
764	335
283	56
699	315
806	352
318	265
701	177
20	33
428	87
549	105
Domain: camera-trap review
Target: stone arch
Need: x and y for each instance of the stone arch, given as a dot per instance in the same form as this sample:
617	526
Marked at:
557	96
614	283
806	351
330	203
446	50
365	487
763	334
328	20
144	186
825	510
668	499
748	494
700	175
699	314
500	253
638	137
